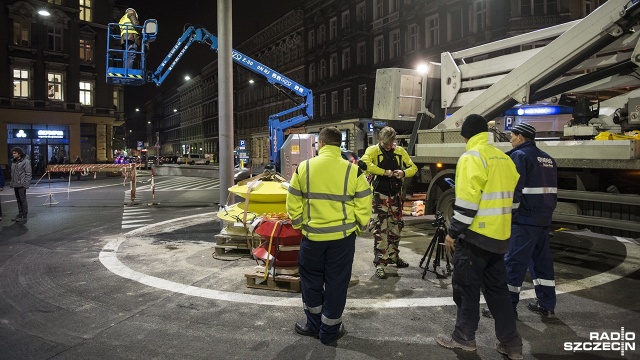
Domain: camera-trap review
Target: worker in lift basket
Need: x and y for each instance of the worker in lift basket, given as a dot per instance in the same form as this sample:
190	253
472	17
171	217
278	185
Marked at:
129	36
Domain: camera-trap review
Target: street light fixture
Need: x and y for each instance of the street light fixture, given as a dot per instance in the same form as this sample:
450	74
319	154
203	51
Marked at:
423	68
187	78
44	12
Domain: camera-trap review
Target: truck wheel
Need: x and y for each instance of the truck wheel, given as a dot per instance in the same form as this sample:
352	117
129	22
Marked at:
445	204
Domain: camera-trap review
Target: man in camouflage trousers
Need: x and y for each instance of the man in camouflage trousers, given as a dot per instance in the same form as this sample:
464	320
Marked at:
388	164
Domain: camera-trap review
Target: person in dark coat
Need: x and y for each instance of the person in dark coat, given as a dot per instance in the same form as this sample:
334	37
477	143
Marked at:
78	172
20	182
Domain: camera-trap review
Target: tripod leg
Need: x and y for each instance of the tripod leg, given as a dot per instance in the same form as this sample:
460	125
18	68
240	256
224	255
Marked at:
433	248
425	253
428	254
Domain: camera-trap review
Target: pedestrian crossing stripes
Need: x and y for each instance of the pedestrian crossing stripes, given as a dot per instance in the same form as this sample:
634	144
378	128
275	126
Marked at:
135	217
182	183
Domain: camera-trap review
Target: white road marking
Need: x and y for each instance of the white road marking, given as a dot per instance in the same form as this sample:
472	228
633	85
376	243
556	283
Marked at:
108	258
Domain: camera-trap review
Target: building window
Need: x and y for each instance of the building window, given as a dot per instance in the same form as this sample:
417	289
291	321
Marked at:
85	10
54	86
394	5
362	96
539	7
378	10
21	32
589	5
394	39
412	37
312	39
361	54
333	28
334	103
333	65
346	59
21	83
55	38
323	104
323	69
345	20
481	15
86	93
321	34
432	25
378	50
361	13
454	24
86	50
346	100
116	100
312	73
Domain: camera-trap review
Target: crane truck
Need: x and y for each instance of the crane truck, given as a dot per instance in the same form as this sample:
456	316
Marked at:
117	72
581	86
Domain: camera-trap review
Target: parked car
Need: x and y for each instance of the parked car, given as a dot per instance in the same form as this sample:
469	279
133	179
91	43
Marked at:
193	159
240	173
154	160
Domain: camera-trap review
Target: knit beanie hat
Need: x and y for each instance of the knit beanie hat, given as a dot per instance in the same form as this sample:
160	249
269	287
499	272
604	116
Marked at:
474	124
525	130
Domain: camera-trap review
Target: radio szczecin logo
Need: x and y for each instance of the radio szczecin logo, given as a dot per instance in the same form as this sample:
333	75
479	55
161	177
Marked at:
605	341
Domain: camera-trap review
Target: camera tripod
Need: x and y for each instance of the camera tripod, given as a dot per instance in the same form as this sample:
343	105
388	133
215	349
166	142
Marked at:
437	245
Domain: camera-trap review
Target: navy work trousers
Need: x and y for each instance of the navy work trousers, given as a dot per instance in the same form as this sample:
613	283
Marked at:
476	268
529	247
325	271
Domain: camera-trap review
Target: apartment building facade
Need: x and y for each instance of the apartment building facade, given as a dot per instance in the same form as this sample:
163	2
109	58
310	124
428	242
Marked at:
53	97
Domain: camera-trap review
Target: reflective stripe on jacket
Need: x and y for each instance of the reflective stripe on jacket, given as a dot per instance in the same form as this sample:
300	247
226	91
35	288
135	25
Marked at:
536	194
127	27
329	198
485	182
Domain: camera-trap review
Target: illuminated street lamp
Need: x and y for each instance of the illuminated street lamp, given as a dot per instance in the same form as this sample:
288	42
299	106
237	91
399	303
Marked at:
423	68
44	12
187	78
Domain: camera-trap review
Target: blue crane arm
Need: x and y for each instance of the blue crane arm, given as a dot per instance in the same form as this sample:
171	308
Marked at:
276	127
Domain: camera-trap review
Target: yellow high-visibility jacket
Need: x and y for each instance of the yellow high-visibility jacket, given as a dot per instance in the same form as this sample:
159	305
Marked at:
373	156
329	198
126	27
485	182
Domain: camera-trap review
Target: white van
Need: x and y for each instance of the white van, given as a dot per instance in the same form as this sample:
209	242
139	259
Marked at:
194	159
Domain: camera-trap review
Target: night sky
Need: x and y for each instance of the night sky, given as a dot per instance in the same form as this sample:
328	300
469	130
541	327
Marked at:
249	17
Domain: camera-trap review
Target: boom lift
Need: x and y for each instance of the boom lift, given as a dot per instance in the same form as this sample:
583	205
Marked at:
599	54
117	73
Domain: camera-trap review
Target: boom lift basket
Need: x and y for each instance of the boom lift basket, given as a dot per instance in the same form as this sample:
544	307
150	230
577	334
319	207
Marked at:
117	71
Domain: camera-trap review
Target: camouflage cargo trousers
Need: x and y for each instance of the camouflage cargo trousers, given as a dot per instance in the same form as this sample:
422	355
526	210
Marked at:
386	226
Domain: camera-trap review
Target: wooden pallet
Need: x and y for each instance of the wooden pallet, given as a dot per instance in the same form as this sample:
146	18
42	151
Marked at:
231	244
286	283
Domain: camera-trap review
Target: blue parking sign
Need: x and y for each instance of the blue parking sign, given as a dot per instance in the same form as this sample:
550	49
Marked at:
243	144
508	122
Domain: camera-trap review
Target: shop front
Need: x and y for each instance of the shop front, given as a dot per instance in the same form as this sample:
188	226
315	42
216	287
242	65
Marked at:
44	144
